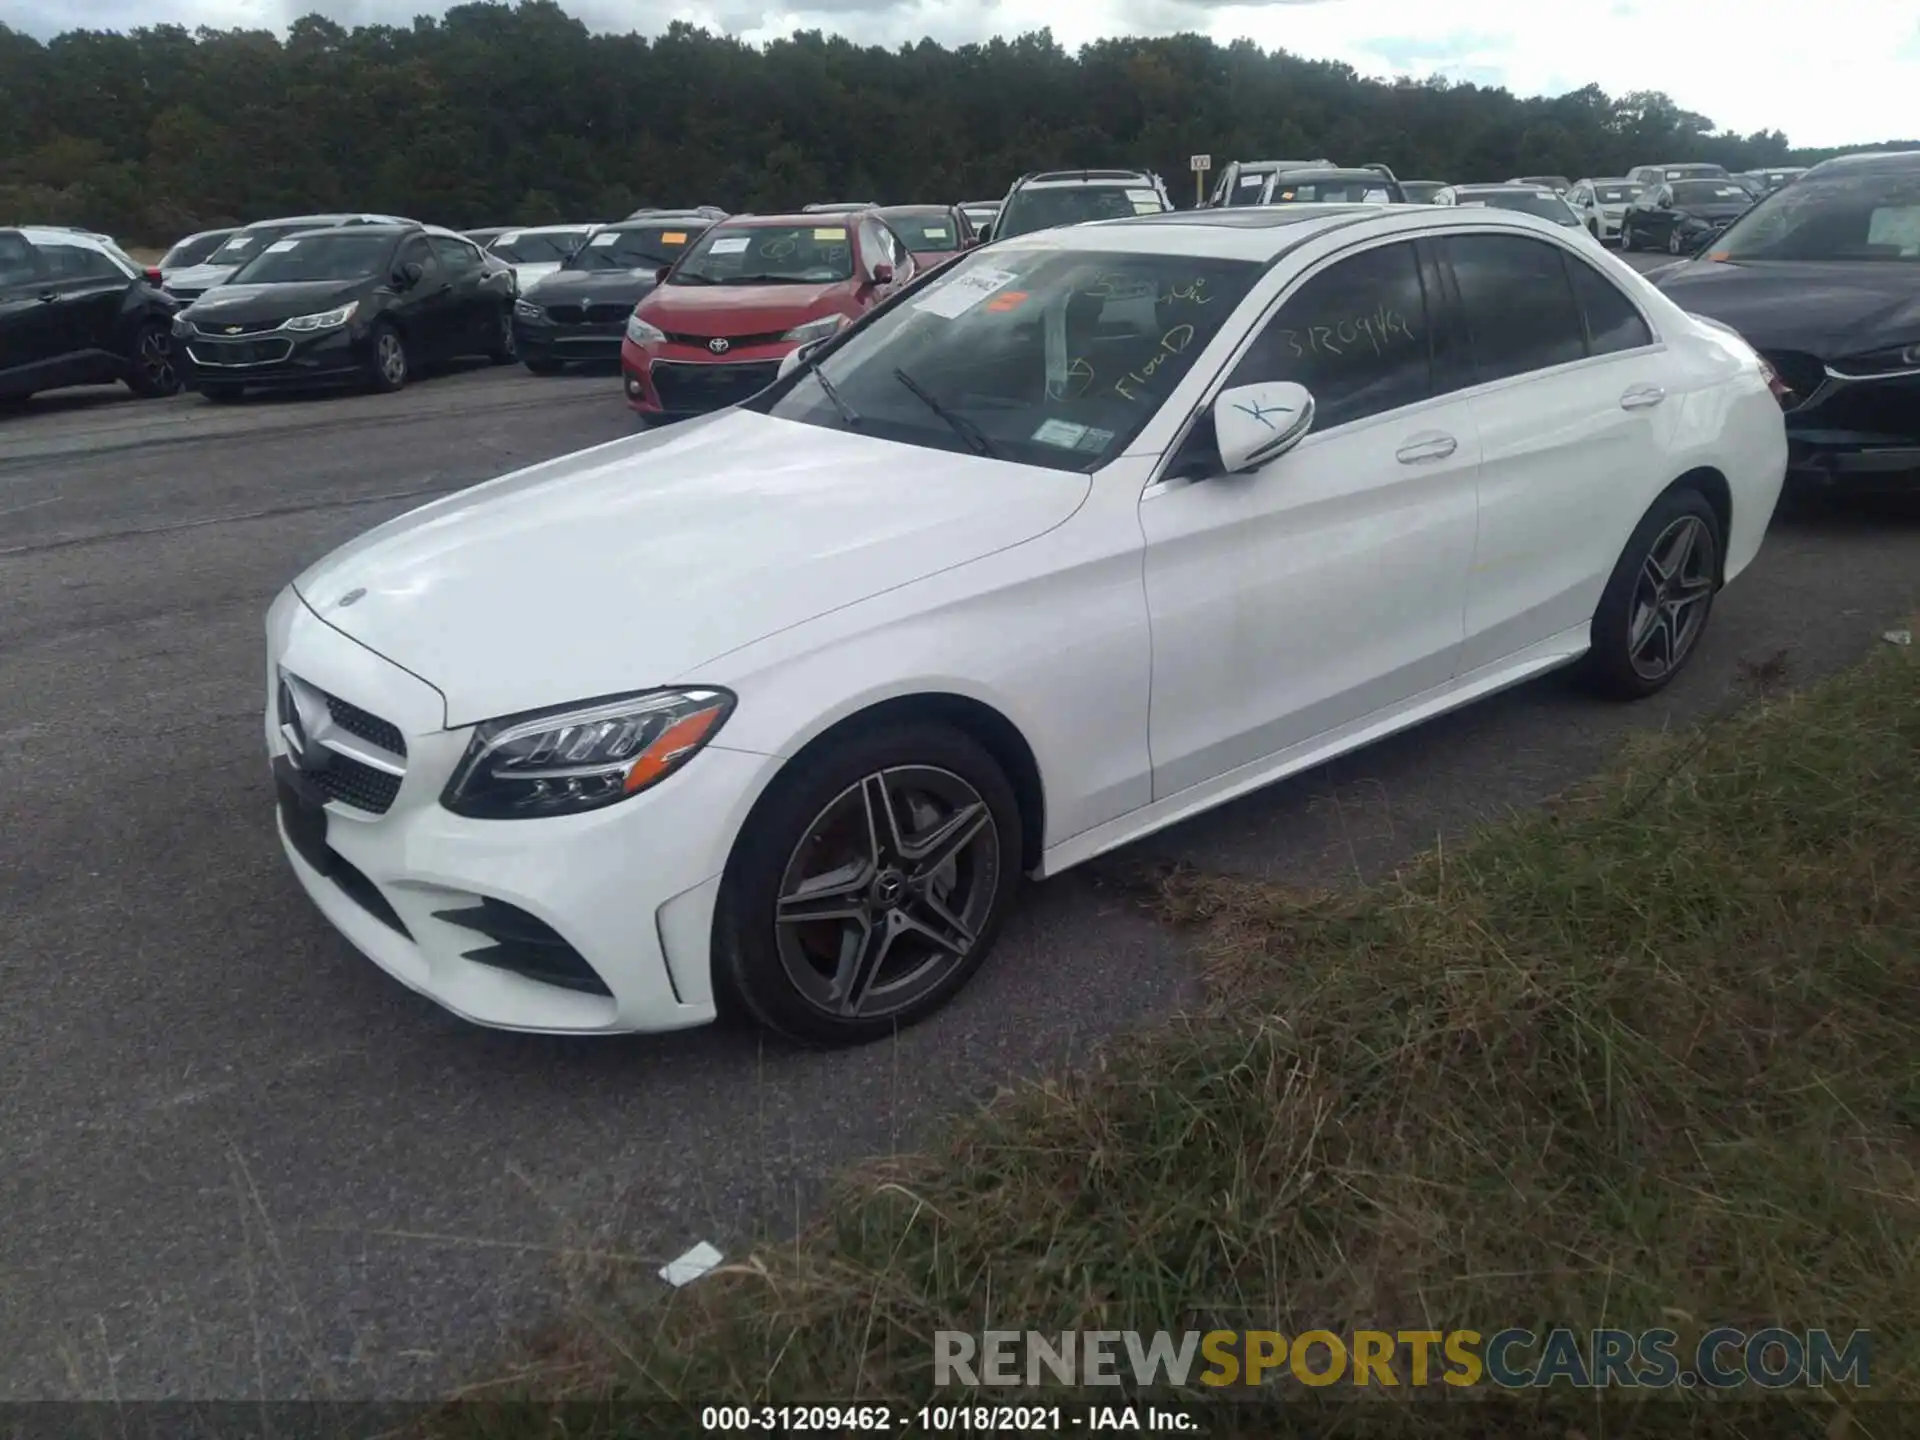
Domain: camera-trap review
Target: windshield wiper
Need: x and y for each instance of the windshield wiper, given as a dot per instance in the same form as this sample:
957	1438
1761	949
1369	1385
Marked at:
849	415
968	431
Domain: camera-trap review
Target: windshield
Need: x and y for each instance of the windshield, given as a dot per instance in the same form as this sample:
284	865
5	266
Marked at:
1616	194
315	257
1248	188
1370	190
1543	203
1710	192
192	251
1043	357
1033	209
1856	217
537	247
243	245
645	247
924	233
810	254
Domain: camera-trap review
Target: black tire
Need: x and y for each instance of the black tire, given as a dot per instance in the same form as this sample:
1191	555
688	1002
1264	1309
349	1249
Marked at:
388	365
813	811
1626	236
506	346
541	366
1673	242
223	394
155	374
1622	663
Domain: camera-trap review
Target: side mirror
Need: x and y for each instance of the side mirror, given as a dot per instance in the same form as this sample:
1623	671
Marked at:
883	274
795	358
409	274
1255	424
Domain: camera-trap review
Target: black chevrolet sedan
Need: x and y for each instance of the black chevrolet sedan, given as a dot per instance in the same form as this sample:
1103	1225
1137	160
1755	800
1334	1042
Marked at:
579	312
369	305
1680	216
1823	279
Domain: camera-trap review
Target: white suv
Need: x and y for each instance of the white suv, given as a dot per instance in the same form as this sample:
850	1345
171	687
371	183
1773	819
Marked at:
1600	204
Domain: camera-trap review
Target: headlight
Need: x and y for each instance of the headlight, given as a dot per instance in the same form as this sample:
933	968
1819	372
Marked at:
816	329
582	757
325	320
527	310
182	326
641	333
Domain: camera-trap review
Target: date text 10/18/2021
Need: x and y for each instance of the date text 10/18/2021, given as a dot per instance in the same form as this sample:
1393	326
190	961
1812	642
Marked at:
948	1419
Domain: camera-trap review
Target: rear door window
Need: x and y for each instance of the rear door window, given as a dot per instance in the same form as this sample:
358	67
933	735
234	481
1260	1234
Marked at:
1517	303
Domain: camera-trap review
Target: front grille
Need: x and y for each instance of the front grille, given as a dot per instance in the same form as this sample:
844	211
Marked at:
243	327
773	337
231	354
603	314
693	389
322	731
1802	372
525	945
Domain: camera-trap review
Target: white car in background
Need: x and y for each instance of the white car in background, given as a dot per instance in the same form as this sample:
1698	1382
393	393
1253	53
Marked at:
1537	200
538	250
1600	204
771	711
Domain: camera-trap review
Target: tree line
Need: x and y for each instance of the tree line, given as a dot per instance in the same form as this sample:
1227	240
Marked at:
518	114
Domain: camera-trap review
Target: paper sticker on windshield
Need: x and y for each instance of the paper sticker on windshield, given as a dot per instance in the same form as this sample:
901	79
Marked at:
280	247
238	242
730	244
612	237
1248	180
1146	207
1144	197
1063	433
1375	197
1896	225
934	232
512	237
963	292
674	237
831	232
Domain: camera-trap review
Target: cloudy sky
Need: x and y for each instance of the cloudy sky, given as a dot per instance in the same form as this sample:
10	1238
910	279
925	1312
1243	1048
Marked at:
1828	73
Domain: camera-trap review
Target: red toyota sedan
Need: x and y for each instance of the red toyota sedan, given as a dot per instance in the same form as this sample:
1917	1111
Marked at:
745	295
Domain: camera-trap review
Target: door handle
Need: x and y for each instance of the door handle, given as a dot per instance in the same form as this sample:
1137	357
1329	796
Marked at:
1642	397
1426	447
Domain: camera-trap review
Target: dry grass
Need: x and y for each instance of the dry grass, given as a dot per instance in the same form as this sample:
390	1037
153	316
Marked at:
1650	1058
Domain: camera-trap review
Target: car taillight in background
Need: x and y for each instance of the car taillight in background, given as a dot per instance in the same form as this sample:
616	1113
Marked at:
152	273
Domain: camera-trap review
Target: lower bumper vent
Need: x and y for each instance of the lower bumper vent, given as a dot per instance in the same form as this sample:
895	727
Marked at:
525	945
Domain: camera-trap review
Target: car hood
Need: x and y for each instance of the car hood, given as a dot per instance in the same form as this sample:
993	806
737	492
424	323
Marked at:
200	277
1829	309
593	286
250	304
730	310
528	271
701	538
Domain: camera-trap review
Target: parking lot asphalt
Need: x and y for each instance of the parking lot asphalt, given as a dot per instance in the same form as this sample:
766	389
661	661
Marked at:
238	1162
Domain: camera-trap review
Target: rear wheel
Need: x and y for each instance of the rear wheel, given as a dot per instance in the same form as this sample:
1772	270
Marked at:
1655	607
154	373
388	368
1673	242
1626	235
869	885
506	346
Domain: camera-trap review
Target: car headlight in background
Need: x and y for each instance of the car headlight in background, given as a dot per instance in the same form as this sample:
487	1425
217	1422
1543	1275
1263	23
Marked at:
582	757
325	320
527	310
641	333
813	330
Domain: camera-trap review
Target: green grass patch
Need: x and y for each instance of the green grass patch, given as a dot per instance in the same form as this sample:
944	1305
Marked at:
1649	1058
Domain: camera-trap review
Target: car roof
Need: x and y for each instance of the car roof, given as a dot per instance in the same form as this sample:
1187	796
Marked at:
1329	172
1898	161
791	217
928	208
555	229
333	218
1087	177
1263	233
1508	187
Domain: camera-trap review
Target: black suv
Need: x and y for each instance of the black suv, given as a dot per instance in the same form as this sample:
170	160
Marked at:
366	303
76	312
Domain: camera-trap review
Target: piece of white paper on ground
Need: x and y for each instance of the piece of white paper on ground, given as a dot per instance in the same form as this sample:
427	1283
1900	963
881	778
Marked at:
1898	637
690	1266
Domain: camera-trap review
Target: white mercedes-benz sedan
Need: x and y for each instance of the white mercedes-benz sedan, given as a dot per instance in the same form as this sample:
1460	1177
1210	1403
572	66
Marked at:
769	713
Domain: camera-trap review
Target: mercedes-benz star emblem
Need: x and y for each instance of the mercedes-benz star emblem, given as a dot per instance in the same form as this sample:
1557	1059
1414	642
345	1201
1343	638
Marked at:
718	347
351	596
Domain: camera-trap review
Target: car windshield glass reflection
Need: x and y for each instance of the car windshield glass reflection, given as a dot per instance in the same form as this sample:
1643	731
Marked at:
1709	192
1856	217
817	253
544	248
1046	357
243	245
1032	209
190	252
924	234
1546	205
316	257
1331	192
645	248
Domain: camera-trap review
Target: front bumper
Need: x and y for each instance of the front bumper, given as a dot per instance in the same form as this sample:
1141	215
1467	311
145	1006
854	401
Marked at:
1851	433
630	889
674	380
588	343
274	359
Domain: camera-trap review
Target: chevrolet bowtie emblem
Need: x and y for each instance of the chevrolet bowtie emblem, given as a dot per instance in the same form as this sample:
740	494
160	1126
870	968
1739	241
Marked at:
233	329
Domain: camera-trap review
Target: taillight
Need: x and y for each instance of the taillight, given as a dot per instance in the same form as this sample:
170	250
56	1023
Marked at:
153	274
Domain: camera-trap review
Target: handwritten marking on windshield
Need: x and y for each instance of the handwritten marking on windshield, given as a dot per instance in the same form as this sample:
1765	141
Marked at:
1377	330
1079	369
1175	342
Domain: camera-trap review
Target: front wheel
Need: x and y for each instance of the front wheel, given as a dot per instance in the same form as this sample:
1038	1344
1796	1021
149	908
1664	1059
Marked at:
154	374
387	369
506	346
868	885
1673	242
1655	607
1626	235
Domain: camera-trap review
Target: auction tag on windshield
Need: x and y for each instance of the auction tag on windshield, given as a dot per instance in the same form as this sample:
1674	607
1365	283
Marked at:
280	247
512	237
1250	180
730	244
612	237
1375	197
1063	433
1144	197
238	242
831	232
934	232
1146	207
674	237
963	292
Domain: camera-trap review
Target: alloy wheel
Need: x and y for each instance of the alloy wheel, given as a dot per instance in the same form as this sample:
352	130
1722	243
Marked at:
156	361
1670	598
887	892
393	358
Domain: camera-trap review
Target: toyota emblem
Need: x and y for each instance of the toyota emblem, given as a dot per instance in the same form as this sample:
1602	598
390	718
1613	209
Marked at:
718	347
